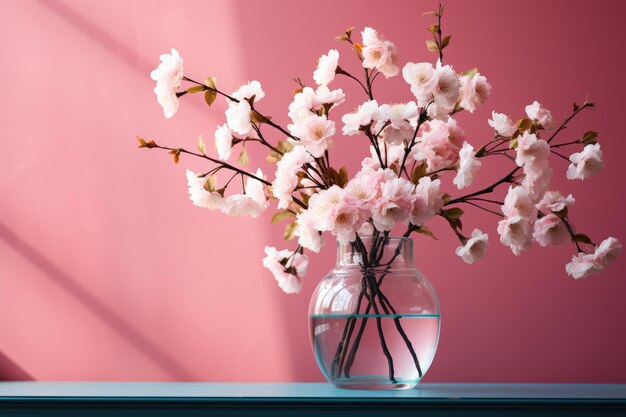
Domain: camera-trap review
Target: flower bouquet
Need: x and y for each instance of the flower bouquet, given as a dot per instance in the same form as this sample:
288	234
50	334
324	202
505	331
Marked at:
414	147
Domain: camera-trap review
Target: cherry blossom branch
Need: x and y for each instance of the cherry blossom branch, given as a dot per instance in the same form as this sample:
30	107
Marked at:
577	109
571	233
485	190
262	117
559	155
423	116
486	200
224	165
565	144
341	71
482	208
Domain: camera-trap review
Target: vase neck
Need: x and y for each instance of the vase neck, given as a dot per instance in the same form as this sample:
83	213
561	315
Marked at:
376	252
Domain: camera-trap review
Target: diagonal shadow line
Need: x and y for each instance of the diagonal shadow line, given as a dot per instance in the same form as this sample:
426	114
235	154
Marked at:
11	371
106	314
100	36
107	41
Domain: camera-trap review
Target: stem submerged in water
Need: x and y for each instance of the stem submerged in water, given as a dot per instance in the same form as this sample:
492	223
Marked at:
371	290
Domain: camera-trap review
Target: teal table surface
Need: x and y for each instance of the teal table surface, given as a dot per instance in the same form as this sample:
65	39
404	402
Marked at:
278	399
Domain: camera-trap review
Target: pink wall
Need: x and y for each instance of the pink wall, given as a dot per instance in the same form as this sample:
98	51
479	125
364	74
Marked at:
107	272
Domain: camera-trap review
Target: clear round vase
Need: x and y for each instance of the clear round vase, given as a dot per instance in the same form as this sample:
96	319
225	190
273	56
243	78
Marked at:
374	319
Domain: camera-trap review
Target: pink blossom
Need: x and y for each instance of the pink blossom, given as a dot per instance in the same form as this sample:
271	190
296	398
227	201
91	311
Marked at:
540	114
238	113
474	91
345	220
550	230
238	205
502	124
448	86
324	96
168	76
238	117
468	167
585	164
530	149
375	177
439	112
287	267
322	207
398	115
223	142
390	154
308	237
518	203
455	133
395	137
427	202
361	117
394	204
379	53
326	67
247	91
315	134
553	201
252	203
361	191
516	233
583	264
366	230
537	176
474	248
422	78
286	178
435	147
199	195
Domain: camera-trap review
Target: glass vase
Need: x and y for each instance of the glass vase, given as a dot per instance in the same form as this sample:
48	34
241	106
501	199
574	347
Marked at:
374	319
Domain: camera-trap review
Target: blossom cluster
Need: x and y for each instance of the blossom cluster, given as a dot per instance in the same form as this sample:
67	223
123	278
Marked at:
413	145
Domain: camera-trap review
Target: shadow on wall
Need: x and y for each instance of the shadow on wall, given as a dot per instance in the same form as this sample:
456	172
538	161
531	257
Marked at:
90	302
97	34
10	371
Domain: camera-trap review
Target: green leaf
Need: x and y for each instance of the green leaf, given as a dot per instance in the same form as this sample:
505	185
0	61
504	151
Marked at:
513	143
175	154
431	14
342	177
445	41
425	231
290	231
196	89
211	82
210	184
201	145
470	73
589	138
432	46
418	172
209	97
524	124
453	216
243	157
453	213
146	144
282	215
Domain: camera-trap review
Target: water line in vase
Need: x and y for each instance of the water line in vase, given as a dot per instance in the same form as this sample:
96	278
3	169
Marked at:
370	281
